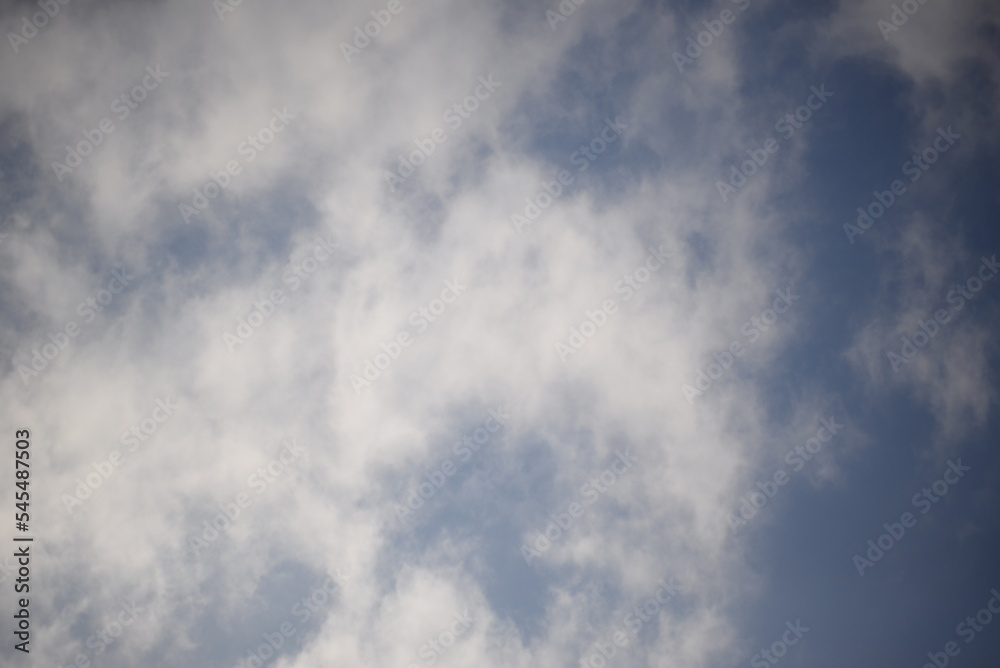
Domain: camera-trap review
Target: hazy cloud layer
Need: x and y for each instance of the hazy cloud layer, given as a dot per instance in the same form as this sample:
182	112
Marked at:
311	345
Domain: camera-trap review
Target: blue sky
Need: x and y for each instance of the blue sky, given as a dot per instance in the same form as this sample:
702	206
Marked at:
482	411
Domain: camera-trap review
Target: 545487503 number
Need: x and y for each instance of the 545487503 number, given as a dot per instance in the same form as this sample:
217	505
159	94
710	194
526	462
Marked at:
22	474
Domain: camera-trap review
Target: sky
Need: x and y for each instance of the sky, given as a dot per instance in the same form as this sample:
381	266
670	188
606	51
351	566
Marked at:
403	334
